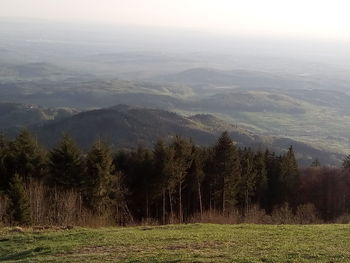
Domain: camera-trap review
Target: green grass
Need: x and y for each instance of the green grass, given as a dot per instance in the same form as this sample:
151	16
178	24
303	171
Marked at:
182	243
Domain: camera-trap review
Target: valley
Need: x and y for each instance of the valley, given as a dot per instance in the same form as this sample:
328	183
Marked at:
292	100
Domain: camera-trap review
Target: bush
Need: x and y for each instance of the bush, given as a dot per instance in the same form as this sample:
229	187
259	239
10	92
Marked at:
307	214
283	215
19	208
344	219
256	215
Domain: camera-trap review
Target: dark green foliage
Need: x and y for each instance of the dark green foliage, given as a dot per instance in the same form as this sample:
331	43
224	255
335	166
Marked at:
273	169
226	174
25	157
161	162
249	176
3	167
19	209
180	163
289	176
195	178
175	182
160	156
66	164
97	183
140	179
261	178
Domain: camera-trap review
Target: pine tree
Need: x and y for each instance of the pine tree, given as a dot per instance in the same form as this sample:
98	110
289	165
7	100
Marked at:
139	178
180	164
227	173
273	170
19	203
261	178
66	164
248	180
98	177
116	198
160	159
26	157
289	176
4	176
196	176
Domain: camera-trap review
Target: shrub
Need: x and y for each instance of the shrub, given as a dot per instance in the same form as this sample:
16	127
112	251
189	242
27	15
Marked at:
306	214
19	208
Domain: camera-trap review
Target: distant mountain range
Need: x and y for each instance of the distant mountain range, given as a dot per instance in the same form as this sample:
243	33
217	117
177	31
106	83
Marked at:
77	76
36	70
124	126
24	115
249	79
315	119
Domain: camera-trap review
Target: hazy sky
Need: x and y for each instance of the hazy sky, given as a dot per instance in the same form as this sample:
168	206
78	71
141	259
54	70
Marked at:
314	18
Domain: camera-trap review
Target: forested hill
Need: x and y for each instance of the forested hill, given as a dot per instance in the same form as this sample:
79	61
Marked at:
126	126
129	126
22	115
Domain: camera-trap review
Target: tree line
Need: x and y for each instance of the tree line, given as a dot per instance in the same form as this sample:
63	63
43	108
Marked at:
176	181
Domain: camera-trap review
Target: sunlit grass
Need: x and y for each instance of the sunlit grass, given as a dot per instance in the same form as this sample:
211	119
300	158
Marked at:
181	243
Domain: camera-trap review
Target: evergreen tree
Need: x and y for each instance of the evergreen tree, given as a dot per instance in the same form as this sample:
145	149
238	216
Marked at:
261	178
289	177
196	177
19	202
4	176
26	157
161	160
180	164
273	170
227	173
146	166
116	199
178	158
98	177
139	178
66	164
248	180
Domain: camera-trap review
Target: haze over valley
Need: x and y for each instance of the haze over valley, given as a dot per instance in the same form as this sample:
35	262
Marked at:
281	91
175	131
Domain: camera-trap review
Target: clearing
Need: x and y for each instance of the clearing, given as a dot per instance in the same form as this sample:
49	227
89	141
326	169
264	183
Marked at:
180	243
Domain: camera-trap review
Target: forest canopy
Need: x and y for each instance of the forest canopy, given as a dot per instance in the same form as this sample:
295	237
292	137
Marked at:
174	182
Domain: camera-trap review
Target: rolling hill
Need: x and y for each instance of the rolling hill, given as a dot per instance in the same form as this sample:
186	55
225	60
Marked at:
250	79
34	70
23	115
126	126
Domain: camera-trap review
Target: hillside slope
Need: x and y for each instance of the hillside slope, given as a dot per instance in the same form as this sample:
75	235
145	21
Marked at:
125	126
23	115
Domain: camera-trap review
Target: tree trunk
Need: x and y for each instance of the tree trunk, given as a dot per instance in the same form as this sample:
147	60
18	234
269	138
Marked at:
163	217
246	202
171	207
210	200
147	211
200	198
180	202
129	213
223	198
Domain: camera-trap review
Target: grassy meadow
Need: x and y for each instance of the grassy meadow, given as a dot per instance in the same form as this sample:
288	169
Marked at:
180	243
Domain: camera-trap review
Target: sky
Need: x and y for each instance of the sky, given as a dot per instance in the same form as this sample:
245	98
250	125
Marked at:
301	18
